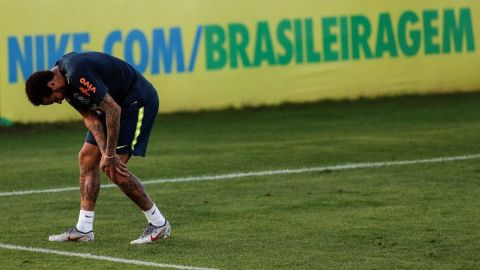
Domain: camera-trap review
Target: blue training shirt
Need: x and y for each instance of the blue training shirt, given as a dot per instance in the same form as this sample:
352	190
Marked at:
91	75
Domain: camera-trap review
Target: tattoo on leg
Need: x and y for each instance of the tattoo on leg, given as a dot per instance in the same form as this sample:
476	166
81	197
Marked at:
89	186
90	190
133	188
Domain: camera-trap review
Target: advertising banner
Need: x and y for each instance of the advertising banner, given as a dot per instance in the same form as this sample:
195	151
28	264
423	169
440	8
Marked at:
213	54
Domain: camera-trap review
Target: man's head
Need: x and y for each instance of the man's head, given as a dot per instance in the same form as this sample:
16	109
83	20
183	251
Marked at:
46	87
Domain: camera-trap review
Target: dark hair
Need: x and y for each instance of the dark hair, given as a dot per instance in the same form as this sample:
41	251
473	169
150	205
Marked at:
36	86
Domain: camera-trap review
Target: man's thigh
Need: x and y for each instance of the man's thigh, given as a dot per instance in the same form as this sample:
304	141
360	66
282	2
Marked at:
89	155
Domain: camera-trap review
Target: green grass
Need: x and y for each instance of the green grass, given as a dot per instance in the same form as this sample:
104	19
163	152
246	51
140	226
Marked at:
423	216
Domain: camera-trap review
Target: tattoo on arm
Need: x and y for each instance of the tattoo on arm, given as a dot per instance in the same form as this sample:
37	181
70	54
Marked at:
95	126
97	129
112	115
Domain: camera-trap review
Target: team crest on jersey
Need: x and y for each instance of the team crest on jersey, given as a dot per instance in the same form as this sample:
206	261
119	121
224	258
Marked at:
94	107
86	87
81	99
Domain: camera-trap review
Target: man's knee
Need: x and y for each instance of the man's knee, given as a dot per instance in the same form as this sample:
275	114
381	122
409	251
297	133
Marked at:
89	159
123	181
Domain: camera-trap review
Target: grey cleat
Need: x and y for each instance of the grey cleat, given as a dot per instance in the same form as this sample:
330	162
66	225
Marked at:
153	233
72	235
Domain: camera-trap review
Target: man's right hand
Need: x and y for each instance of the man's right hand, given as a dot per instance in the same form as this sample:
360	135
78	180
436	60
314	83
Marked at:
113	164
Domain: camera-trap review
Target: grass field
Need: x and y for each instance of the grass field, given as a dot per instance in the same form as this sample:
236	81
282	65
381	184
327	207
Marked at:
416	216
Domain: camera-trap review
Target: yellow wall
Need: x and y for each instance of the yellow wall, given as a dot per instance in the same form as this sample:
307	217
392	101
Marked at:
295	50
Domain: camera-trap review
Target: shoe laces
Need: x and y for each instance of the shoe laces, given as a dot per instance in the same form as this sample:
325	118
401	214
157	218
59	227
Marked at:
71	230
149	230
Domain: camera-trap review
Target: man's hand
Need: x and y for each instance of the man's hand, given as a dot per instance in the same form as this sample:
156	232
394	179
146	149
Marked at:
113	164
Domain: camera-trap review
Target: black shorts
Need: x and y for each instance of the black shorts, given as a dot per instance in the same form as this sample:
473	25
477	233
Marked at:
136	123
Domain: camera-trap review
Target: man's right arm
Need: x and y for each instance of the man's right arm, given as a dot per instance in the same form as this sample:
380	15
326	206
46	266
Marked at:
95	126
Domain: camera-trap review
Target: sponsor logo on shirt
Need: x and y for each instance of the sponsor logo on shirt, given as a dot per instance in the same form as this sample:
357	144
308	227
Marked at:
95	107
87	87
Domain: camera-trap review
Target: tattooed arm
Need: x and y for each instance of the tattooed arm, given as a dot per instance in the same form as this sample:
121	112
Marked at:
112	118
95	126
106	141
111	163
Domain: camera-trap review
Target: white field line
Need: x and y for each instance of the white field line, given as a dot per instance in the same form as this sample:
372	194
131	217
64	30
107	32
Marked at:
101	258
340	167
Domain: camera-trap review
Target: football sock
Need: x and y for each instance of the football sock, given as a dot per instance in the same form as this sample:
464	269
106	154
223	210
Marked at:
85	221
154	216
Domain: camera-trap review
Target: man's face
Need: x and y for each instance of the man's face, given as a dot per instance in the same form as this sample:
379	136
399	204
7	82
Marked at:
56	97
57	84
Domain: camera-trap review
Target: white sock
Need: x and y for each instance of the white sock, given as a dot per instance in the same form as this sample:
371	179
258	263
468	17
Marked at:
85	221
154	216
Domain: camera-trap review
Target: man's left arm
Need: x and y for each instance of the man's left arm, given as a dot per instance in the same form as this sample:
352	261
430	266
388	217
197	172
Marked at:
111	163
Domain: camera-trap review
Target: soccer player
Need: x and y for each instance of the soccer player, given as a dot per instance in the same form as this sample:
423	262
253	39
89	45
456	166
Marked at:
118	106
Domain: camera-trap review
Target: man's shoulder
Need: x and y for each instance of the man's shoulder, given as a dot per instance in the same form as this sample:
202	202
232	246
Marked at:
77	60
77	65
71	64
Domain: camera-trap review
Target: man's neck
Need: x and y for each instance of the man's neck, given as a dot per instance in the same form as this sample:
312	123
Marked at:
58	74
